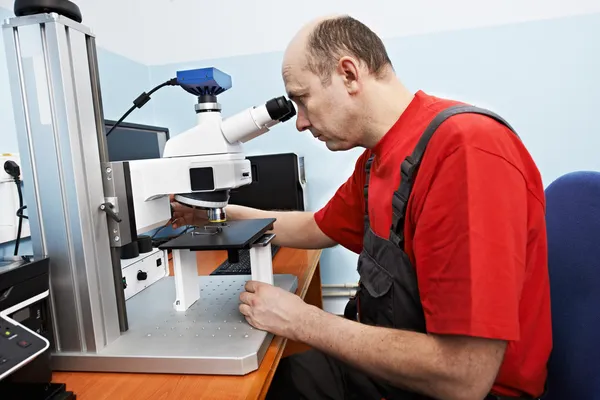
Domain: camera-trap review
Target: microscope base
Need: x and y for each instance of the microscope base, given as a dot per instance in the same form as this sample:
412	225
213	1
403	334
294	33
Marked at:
210	337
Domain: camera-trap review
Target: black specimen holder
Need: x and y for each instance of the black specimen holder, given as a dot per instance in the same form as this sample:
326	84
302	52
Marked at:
231	236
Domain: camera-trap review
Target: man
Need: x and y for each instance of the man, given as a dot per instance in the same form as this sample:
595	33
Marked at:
454	294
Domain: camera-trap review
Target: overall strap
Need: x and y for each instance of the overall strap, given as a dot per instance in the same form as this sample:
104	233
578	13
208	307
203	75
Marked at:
410	166
366	191
351	311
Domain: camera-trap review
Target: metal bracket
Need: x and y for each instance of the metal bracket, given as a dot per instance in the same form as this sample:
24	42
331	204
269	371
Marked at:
107	207
264	240
111	208
119	230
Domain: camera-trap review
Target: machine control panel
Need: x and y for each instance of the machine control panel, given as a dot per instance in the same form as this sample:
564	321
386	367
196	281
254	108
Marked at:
18	346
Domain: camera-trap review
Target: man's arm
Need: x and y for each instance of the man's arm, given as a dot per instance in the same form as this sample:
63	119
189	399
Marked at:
296	229
339	222
444	367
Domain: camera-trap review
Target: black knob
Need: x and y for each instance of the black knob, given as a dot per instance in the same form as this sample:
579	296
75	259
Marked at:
108	208
141	275
144	243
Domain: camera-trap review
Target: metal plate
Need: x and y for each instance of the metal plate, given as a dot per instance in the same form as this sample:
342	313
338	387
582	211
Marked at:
211	337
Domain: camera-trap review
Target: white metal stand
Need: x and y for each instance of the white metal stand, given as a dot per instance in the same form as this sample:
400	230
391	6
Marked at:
185	270
261	260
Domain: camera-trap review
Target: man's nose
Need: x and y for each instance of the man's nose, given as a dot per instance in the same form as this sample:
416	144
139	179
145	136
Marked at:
302	123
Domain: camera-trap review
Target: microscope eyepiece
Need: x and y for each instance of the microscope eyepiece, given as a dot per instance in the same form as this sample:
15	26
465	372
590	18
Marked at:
280	109
290	114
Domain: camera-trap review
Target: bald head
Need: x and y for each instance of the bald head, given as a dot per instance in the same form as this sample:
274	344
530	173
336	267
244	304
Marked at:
337	72
297	47
320	44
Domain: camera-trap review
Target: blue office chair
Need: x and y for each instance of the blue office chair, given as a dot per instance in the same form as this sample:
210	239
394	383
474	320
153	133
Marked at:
573	224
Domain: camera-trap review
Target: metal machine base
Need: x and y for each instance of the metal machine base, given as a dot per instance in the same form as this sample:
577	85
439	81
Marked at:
211	337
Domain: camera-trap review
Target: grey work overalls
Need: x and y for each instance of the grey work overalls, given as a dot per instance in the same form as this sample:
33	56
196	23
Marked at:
388	296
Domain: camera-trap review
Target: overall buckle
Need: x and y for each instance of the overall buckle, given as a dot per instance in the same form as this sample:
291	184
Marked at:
407	168
397	239
399	201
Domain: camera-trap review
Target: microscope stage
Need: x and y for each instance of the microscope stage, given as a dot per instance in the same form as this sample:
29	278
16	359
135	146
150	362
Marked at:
232	235
211	337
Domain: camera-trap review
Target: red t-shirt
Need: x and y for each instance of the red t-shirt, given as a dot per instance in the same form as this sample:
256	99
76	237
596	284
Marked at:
475	232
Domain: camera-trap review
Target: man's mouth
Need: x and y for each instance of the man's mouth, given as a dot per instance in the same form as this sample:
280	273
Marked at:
318	136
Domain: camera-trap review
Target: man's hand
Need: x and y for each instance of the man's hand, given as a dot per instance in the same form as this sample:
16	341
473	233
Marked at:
184	215
272	309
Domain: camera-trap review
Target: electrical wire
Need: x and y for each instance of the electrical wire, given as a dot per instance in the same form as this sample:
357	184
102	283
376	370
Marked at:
171	221
158	241
141	100
20	215
13	170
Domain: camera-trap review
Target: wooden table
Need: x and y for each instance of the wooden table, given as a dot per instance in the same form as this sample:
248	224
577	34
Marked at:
99	386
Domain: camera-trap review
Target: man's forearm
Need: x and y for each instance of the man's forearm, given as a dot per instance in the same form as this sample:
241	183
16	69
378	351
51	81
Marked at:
292	228
448	368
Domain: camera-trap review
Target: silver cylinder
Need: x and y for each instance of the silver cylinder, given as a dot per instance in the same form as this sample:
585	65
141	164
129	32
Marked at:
217	215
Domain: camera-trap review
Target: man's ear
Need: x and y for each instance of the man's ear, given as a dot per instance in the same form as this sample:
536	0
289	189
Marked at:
350	73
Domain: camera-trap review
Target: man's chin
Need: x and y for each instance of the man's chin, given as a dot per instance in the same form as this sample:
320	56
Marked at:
336	146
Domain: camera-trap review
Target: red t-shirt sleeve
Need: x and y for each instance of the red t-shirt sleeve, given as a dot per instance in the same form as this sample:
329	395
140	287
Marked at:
342	218
470	245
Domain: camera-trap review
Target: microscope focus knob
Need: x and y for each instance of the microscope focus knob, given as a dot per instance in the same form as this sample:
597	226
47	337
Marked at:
141	275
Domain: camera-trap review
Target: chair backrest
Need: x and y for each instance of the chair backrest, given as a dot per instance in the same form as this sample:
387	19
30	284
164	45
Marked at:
573	225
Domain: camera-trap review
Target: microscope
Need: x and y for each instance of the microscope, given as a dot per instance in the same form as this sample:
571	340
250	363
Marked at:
84	210
200	166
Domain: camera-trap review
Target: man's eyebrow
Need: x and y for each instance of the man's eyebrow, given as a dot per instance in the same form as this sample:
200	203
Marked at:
294	93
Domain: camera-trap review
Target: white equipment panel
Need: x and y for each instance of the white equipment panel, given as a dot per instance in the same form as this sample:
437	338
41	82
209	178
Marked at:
143	271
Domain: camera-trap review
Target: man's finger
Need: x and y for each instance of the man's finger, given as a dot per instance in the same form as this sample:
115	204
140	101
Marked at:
251	286
175	220
251	321
246	298
245	309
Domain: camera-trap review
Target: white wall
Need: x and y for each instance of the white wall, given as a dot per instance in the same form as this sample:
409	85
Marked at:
173	31
186	30
110	20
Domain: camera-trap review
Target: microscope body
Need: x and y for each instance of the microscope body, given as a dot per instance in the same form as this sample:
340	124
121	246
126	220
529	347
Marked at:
201	165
